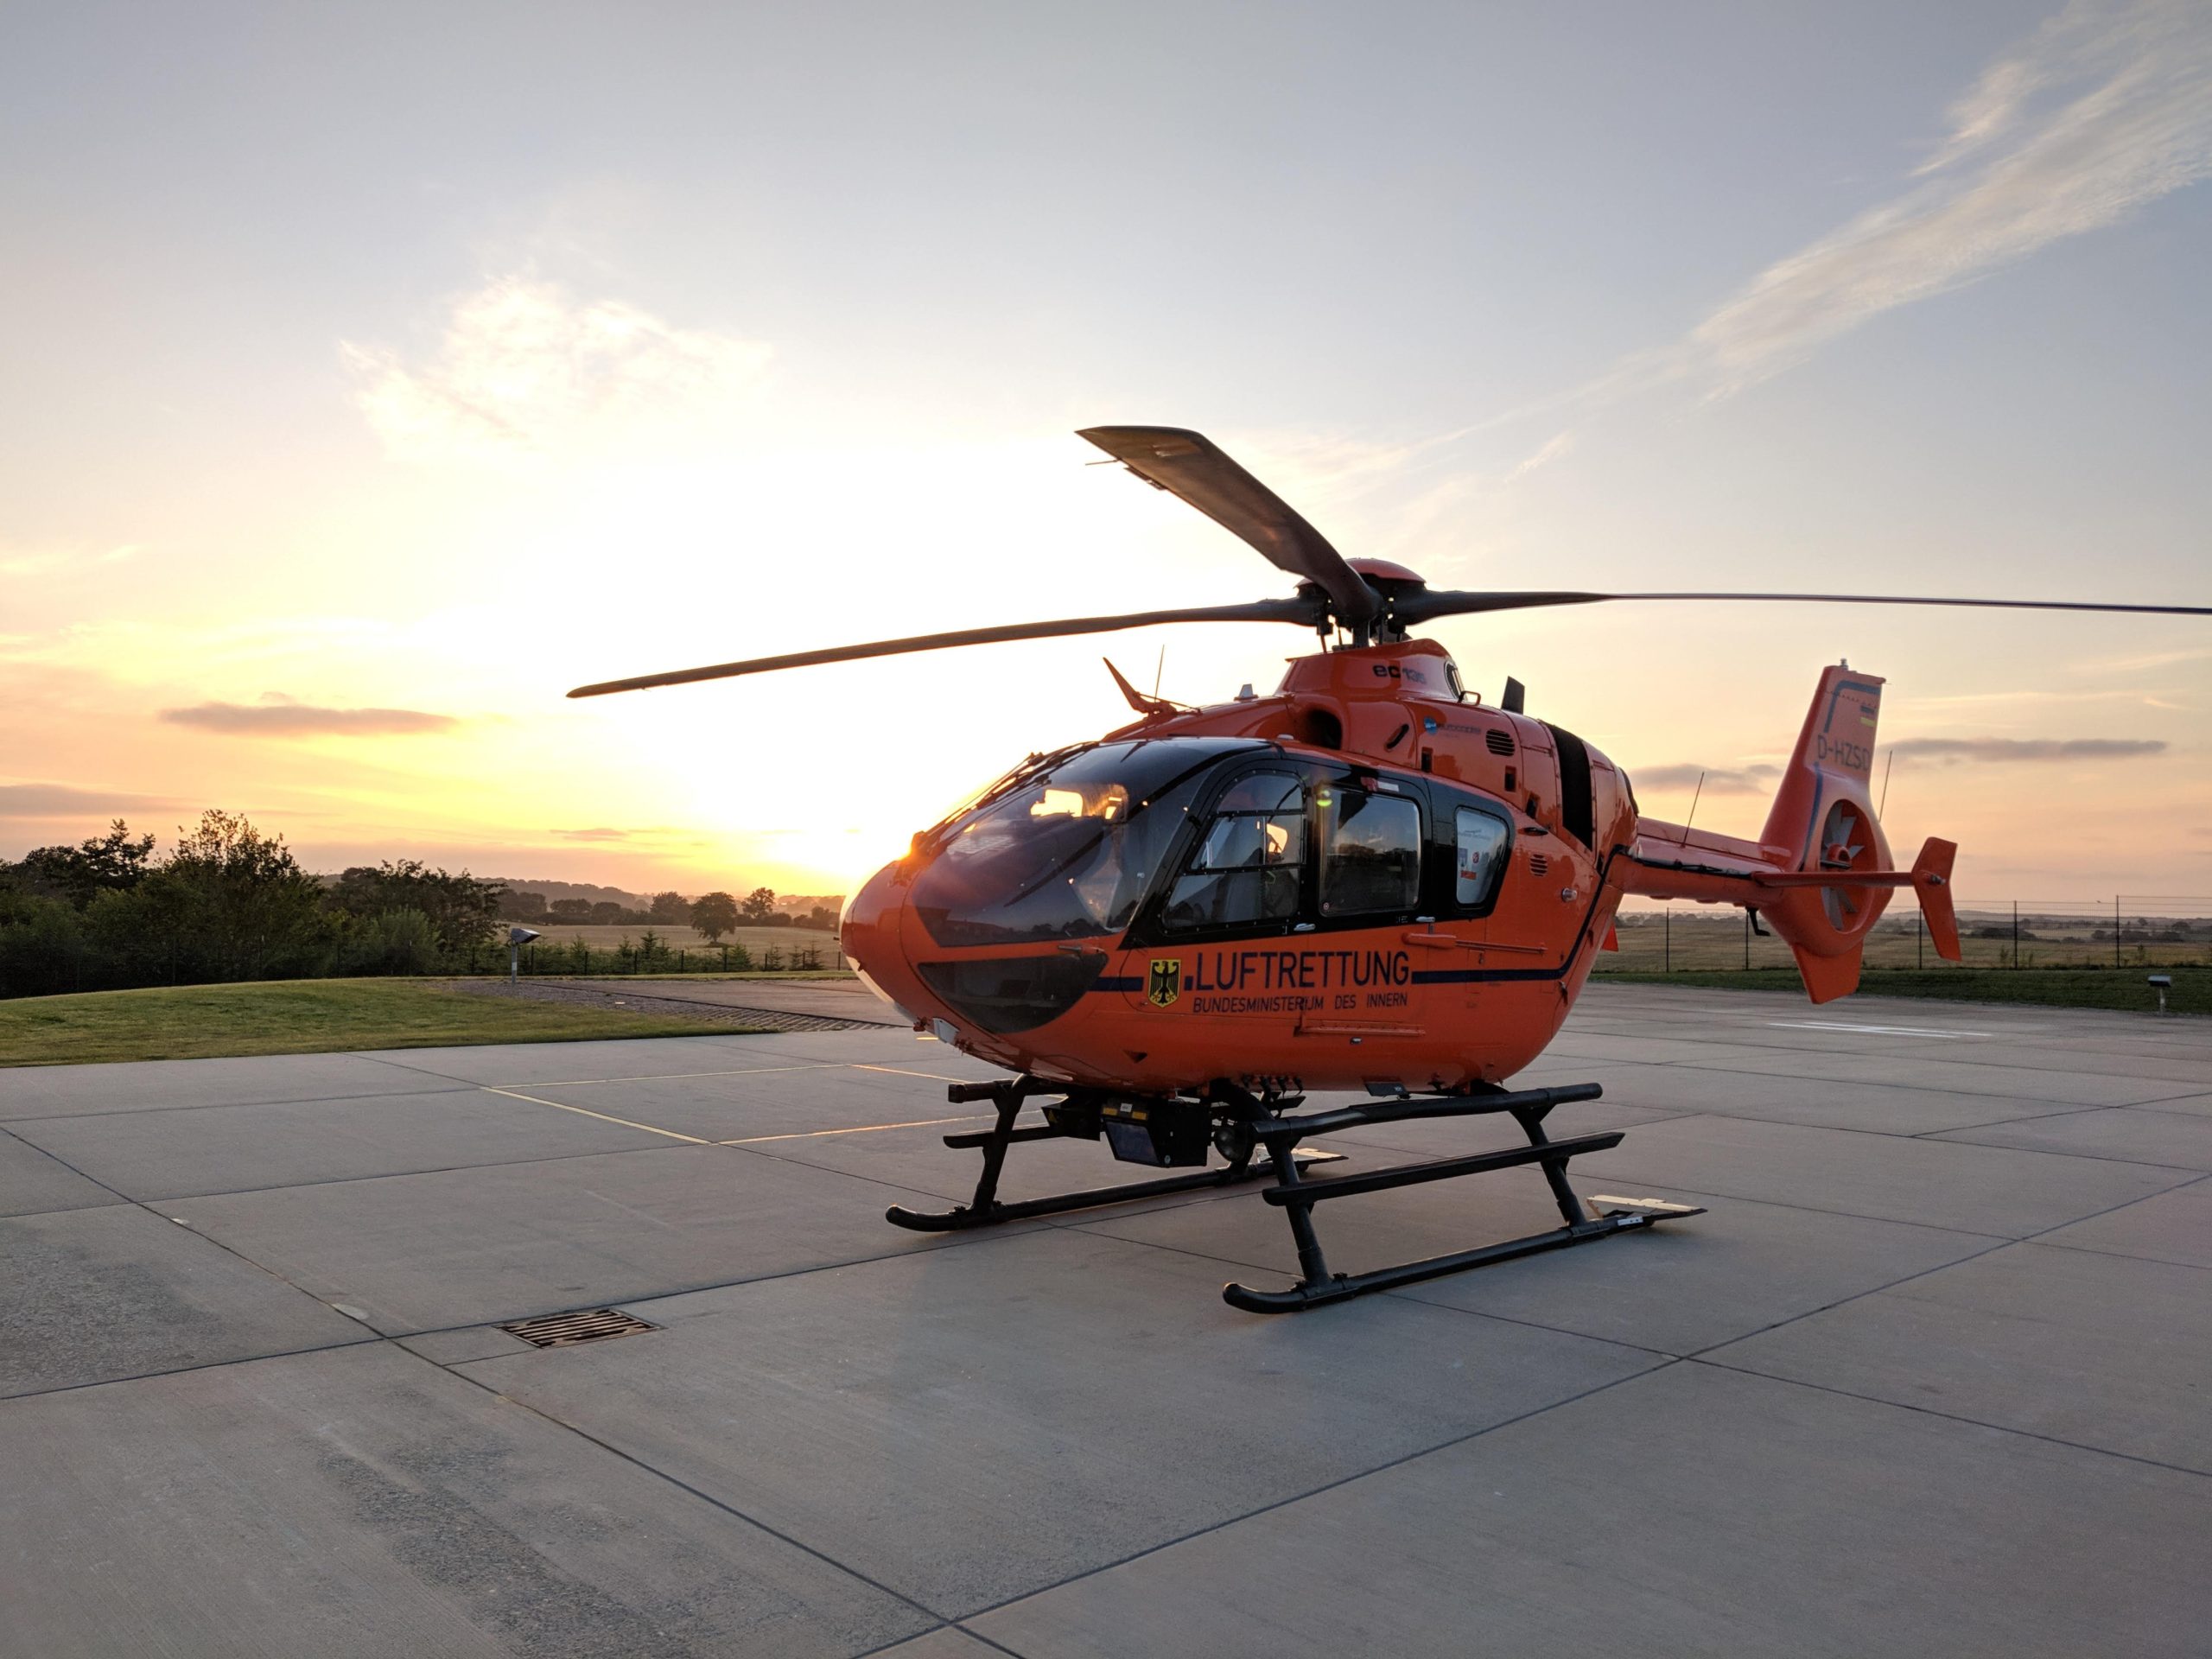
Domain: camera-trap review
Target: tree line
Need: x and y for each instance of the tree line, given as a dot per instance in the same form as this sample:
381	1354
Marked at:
230	903
712	913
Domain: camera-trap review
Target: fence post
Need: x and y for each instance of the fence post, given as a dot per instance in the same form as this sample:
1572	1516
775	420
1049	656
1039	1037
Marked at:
2016	932
2115	930
1747	941
1667	962
1919	941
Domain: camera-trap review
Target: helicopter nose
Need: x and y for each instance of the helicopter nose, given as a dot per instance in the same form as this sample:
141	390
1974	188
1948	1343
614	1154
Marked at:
868	935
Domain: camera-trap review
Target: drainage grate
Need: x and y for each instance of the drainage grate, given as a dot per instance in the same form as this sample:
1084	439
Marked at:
566	1330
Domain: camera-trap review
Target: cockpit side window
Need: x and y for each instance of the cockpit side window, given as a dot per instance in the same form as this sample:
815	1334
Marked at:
1247	866
1371	853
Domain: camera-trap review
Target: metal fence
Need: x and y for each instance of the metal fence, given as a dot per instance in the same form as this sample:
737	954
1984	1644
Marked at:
577	958
2128	931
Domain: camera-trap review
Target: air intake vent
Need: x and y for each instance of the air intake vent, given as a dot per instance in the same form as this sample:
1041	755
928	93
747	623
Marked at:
566	1330
1500	743
1538	863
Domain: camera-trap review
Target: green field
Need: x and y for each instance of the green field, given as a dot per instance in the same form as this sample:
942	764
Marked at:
2068	988
1699	938
295	1016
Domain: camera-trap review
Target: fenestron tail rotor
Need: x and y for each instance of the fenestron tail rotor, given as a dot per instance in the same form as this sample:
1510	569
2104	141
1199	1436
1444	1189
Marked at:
1333	594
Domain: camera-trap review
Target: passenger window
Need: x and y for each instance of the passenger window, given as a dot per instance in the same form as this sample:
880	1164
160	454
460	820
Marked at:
1372	853
1246	867
1484	841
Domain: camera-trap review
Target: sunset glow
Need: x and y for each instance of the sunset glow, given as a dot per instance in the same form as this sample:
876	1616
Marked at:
338	461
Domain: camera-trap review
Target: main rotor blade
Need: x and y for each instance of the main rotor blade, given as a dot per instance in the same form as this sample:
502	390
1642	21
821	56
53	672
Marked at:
1304	612
1188	465
1423	606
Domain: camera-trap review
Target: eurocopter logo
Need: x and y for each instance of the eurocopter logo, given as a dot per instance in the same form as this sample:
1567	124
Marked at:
1166	981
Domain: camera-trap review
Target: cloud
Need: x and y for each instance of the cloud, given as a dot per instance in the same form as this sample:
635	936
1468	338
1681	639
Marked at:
659	835
64	801
2103	110
282	717
2139	663
1549	451
525	372
1719	780
2106	108
39	561
1759	778
1951	750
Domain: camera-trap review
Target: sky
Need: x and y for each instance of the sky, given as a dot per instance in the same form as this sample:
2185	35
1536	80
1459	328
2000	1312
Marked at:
370	376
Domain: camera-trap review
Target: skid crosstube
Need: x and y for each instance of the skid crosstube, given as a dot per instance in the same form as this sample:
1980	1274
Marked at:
1296	1197
984	1210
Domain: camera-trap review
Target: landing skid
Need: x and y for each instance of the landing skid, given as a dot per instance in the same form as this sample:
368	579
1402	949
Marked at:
1528	1108
1078	1116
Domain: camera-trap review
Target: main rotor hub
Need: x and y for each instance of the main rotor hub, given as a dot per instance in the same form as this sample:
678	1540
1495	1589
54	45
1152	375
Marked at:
1390	583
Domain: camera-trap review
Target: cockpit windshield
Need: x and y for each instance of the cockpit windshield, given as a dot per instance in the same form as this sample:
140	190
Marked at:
1069	850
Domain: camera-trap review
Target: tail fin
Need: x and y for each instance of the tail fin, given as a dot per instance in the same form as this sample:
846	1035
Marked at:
1823	820
1826	785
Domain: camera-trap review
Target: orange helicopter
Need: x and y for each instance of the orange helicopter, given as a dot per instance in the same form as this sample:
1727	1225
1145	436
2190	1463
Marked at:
1368	881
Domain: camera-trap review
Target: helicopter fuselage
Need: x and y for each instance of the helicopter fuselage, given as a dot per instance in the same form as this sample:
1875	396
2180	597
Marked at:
1365	880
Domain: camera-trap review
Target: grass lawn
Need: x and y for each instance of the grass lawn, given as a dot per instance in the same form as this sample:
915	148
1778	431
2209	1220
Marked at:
2066	987
777	977
295	1016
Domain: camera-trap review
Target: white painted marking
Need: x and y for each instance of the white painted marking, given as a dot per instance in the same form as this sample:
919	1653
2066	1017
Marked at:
871	1129
934	1077
604	1117
673	1077
1879	1031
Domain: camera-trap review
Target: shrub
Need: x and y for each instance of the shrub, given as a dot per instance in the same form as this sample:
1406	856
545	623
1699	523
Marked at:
463	912
43	948
391	942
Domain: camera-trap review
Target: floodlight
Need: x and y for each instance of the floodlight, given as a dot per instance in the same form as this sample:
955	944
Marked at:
516	938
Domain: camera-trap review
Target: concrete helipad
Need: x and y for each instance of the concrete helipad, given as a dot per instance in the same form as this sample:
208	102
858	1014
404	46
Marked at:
1930	1377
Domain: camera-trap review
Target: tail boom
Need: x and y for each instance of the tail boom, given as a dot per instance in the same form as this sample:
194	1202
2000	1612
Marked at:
1663	866
1821	871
